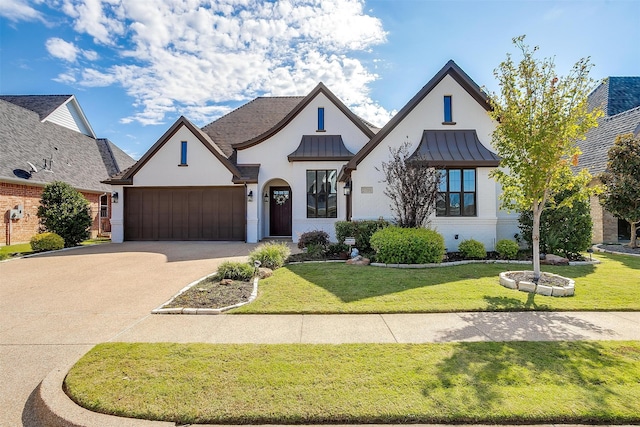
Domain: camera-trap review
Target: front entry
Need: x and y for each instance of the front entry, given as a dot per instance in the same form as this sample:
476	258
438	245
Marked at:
280	211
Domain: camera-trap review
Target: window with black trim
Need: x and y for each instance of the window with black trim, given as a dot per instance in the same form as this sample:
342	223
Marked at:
183	153
448	112
322	198
320	119
456	193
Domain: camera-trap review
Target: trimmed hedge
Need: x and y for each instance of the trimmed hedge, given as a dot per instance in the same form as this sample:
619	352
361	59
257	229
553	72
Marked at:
361	231
271	255
507	249
472	249
395	245
313	238
46	242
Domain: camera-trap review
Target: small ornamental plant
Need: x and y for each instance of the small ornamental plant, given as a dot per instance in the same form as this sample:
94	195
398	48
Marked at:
271	255
46	242
472	249
507	249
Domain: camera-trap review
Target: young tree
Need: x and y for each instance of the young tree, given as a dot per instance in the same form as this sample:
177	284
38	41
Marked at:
412	187
64	211
540	117
621	194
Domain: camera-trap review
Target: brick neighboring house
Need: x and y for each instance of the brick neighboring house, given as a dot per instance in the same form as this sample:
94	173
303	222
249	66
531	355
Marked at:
619	98
46	138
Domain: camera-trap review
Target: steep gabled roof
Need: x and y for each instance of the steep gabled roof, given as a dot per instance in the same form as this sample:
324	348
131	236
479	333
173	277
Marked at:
450	69
253	118
616	95
79	160
320	88
59	109
127	177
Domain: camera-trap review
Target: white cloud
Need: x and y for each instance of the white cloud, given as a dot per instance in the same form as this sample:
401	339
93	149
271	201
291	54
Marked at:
193	56
62	49
19	10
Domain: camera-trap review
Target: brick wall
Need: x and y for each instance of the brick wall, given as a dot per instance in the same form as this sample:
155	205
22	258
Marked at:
21	230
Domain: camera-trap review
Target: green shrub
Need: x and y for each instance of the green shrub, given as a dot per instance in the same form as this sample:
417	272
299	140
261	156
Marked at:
360	230
316	237
564	230
395	245
337	248
472	249
46	242
271	254
64	211
507	249
236	270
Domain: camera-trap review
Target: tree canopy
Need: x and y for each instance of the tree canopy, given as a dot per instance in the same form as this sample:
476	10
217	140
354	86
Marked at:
621	180
64	211
540	117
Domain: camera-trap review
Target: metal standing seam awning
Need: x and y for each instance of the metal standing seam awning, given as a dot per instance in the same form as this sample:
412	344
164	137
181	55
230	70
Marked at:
447	148
320	147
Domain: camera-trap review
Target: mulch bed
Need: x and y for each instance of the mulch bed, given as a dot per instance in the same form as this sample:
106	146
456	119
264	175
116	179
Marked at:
545	279
212	293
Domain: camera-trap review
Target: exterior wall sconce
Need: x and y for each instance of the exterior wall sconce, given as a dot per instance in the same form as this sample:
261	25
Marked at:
347	188
114	197
266	197
250	196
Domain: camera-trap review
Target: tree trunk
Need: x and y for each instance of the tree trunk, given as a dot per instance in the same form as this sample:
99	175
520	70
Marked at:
634	232
535	242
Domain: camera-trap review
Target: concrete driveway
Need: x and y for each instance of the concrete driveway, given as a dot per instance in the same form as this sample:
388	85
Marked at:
55	307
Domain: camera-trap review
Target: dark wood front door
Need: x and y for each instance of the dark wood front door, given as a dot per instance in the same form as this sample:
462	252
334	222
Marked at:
280	211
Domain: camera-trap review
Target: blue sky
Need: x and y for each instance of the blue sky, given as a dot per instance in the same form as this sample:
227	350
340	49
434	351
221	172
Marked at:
136	66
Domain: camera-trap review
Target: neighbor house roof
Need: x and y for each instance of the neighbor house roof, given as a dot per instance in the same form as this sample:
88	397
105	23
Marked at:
79	160
599	140
616	95
448	148
63	110
320	147
450	69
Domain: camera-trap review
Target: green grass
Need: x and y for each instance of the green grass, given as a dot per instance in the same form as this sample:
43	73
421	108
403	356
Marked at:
338	288
506	382
21	249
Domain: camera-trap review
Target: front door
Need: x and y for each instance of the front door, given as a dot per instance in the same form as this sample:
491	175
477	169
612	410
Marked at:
280	211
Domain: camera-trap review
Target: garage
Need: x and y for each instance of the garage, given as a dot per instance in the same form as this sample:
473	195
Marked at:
185	213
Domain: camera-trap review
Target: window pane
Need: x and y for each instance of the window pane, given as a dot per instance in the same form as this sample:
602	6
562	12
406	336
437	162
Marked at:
331	178
454	204
183	153
442	186
469	204
332	206
447	109
311	196
469	180
441	204
321	118
454	180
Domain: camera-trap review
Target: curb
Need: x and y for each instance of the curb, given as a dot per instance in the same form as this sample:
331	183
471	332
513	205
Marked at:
55	409
599	249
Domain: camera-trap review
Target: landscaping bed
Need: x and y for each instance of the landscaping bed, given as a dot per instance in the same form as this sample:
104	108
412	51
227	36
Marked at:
213	293
455	383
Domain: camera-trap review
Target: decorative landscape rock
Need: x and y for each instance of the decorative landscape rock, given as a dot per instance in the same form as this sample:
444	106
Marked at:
359	260
549	284
551	259
265	272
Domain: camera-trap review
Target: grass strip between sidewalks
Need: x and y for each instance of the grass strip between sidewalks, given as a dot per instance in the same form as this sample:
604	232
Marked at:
338	288
489	382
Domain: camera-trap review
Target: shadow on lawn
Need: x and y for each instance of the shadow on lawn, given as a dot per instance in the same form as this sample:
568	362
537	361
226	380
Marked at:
352	283
486	377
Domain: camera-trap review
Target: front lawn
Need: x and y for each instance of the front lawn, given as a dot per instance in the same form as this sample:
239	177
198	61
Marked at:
338	288
504	382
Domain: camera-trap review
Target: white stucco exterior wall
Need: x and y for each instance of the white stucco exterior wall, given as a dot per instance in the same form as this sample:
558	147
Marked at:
275	168
369	202
163	169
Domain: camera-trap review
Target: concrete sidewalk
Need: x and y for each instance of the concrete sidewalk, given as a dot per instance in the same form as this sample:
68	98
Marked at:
385	328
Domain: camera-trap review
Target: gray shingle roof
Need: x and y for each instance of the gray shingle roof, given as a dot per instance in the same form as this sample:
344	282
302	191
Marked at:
250	120
616	95
79	160
599	140
43	105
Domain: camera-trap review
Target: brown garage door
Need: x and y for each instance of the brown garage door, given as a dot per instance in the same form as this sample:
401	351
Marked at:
189	213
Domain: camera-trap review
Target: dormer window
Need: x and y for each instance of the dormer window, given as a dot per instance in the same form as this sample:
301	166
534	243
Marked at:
320	119
183	153
448	111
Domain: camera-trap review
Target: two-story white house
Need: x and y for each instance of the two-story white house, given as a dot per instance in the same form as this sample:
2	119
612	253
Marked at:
281	166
